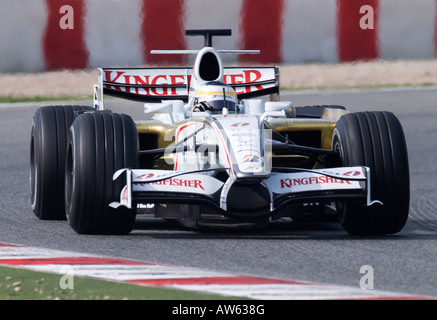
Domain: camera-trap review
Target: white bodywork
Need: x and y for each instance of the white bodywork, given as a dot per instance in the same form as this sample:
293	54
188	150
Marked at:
238	144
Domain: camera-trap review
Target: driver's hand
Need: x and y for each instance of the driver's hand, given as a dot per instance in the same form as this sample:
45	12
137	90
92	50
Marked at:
202	107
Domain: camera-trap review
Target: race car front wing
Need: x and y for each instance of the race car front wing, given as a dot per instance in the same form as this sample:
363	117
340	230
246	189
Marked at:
145	186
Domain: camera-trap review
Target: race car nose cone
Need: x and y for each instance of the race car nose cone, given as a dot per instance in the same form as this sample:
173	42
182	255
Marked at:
245	199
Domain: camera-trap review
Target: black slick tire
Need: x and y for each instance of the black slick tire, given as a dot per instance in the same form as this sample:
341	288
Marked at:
99	144
375	140
50	126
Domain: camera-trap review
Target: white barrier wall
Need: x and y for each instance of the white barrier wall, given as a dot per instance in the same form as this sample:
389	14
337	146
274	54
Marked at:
407	29
22	24
309	32
122	32
113	32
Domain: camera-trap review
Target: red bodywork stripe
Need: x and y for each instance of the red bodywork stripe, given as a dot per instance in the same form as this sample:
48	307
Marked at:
185	126
226	150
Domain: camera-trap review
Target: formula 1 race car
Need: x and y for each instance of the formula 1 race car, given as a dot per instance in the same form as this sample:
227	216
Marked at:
210	152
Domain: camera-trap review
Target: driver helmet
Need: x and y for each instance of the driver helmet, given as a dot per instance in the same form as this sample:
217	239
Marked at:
214	96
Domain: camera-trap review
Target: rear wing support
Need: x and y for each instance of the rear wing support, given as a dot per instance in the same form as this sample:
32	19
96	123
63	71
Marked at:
208	34
98	91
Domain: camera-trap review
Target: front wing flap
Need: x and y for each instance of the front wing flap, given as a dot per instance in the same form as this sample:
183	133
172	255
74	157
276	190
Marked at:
145	186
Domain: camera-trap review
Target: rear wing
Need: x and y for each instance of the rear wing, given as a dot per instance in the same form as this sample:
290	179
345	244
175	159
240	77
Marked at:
157	84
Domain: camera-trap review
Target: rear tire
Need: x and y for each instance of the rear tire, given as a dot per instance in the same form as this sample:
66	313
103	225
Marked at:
375	140
49	132
99	144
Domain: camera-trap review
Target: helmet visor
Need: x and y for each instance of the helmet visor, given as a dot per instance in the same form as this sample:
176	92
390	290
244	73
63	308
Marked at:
218	105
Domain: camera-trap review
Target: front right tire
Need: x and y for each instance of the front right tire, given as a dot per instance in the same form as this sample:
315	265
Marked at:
375	140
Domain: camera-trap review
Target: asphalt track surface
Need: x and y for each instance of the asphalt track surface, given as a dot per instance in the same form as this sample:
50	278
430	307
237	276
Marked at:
319	252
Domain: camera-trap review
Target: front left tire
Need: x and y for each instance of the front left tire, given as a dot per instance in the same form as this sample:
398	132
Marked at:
50	126
99	144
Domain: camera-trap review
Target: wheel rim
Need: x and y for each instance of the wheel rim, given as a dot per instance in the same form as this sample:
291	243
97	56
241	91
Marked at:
69	177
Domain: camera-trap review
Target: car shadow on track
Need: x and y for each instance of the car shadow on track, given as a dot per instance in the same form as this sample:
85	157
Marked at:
282	229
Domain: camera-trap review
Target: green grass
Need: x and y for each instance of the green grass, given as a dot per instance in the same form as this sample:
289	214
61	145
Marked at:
21	284
42	99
